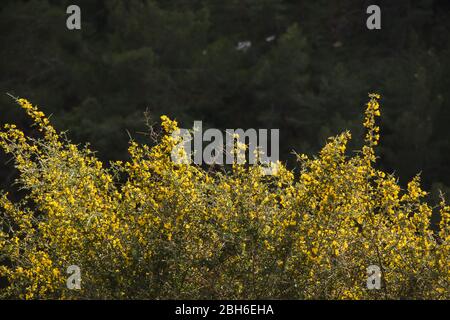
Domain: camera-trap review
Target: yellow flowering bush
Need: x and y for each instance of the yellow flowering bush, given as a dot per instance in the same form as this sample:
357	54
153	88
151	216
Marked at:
152	229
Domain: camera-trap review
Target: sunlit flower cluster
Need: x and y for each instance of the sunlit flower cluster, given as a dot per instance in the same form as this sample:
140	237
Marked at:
148	228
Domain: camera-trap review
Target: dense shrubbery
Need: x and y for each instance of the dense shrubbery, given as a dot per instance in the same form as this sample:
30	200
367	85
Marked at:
149	228
308	68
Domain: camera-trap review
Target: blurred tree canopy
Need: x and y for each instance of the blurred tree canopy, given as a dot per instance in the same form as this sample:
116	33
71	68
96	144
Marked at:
306	68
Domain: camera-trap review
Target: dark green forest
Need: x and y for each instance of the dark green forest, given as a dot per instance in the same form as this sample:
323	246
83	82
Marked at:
307	71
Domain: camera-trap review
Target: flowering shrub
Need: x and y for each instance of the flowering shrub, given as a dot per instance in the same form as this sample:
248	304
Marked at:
151	229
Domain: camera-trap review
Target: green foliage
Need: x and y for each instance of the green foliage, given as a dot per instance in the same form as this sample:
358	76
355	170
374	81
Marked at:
179	58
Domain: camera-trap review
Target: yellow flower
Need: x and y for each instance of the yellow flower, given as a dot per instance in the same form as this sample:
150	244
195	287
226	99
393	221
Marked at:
183	231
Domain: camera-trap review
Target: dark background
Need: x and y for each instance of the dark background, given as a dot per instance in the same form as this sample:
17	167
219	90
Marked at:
179	58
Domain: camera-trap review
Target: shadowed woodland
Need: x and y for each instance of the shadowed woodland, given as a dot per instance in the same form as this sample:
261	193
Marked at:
308	70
